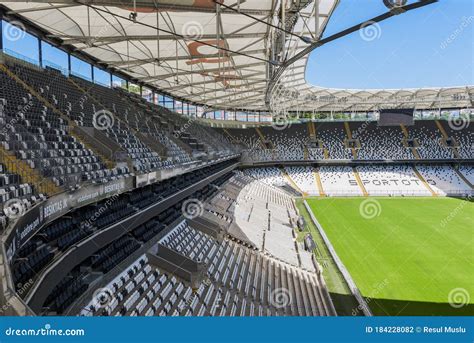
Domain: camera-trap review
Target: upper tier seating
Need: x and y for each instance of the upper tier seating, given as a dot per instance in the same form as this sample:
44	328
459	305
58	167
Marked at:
289	143
378	142
333	136
329	142
11	186
463	137
429	140
40	137
121	104
15	193
81	107
41	130
212	141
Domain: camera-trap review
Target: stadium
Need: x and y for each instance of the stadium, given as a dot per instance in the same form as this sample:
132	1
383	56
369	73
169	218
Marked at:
170	158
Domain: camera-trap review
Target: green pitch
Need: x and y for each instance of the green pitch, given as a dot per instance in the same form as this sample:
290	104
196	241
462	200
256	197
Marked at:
408	256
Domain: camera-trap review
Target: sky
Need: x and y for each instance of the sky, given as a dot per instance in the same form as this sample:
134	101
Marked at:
431	46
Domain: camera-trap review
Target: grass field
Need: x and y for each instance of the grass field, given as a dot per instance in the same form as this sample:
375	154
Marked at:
408	256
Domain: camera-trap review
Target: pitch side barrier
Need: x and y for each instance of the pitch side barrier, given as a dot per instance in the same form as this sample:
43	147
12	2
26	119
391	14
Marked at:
19	231
345	273
350	163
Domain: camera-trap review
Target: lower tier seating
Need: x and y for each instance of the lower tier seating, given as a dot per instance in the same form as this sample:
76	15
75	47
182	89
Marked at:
304	179
444	180
239	282
339	181
382	180
393	180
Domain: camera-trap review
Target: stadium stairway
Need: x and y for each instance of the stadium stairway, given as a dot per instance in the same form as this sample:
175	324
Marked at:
413	149
461	175
359	182
317	178
292	183
311	130
326	154
154	146
72	131
182	145
305	153
28	174
232	138
263	140
103	146
433	193
347	128
445	137
17	166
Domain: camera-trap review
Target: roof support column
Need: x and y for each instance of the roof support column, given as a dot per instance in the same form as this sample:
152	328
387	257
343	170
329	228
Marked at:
316	19
40	52
69	64
1	31
283	28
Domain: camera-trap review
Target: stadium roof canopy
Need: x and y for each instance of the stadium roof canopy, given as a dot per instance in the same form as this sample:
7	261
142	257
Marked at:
225	54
